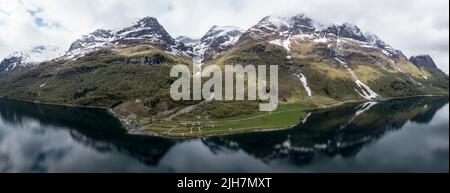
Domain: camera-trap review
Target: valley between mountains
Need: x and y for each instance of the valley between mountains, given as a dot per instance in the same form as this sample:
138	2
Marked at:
128	72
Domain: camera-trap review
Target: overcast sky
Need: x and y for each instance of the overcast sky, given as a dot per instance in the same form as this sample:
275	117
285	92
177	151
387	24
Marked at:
413	26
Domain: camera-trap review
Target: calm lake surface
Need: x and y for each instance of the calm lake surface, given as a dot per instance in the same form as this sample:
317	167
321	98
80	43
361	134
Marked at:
405	135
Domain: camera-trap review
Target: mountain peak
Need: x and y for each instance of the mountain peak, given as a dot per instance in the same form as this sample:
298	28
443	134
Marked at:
423	61
385	48
291	21
271	26
92	41
146	30
187	41
147	22
224	28
102	33
347	30
282	30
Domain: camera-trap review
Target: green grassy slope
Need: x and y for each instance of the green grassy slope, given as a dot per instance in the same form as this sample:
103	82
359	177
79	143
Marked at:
135	82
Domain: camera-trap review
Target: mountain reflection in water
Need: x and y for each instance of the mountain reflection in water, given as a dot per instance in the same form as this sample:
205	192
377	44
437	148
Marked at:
404	135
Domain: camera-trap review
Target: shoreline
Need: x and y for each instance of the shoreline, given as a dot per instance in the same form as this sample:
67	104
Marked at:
242	131
155	134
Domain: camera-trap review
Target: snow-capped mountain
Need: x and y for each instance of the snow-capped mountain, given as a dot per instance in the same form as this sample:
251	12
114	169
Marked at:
145	31
346	30
217	39
284	30
91	42
423	61
30	57
426	64
273	27
187	41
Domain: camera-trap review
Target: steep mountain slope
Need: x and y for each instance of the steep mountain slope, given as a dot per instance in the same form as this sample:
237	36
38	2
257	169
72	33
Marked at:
103	68
332	132
27	58
432	74
129	70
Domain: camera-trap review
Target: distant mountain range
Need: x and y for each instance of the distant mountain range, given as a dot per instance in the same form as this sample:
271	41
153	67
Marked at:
33	56
129	68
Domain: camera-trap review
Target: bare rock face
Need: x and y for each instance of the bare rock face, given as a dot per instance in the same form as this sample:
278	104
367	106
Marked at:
30	57
145	31
284	30
216	40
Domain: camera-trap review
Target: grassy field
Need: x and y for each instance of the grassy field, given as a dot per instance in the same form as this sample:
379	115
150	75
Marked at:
285	116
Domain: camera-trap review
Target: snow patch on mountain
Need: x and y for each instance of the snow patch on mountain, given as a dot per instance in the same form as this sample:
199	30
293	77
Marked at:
365	107
91	42
302	79
321	40
277	30
30	57
346	30
360	109
217	39
187	41
366	91
377	42
146	30
286	43
306	118
275	23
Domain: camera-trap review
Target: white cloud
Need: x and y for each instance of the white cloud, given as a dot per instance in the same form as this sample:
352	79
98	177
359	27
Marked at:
413	26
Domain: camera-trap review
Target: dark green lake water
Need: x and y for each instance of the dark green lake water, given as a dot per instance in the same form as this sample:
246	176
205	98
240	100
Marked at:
407	135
